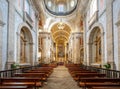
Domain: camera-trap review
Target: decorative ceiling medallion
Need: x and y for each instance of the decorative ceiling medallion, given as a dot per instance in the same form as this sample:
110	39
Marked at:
61	26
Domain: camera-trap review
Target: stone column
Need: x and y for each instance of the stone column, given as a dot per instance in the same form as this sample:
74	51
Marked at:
48	45
25	51
85	45
1	42
37	38
11	36
89	54
46	48
72	49
76	48
65	52
118	25
1	46
31	54
43	49
56	52
109	24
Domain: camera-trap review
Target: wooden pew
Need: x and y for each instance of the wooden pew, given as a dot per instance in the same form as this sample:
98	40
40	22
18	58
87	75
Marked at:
90	82
72	65
41	76
106	87
35	71
102	84
73	74
83	75
14	87
21	81
73	70
53	65
49	71
49	65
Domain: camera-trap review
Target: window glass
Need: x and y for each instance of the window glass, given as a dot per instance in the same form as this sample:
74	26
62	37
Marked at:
61	8
49	3
72	3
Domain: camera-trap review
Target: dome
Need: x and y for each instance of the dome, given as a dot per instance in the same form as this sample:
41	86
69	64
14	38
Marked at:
60	7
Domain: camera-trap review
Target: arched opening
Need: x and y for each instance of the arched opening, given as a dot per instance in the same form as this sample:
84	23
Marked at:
95	47
26	46
60	34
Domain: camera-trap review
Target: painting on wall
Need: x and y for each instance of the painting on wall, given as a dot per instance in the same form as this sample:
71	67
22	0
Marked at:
61	51
60	54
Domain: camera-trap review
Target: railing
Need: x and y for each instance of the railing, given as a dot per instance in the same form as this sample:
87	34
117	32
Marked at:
10	73
109	73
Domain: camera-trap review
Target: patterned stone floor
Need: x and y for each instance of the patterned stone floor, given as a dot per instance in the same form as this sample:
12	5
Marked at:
60	79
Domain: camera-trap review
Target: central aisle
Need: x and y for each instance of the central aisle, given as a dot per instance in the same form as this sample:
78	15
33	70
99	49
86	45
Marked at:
60	79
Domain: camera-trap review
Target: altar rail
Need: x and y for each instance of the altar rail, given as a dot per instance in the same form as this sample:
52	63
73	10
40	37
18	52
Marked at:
109	73
10	72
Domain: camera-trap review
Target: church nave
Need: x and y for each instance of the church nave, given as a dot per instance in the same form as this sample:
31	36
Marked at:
60	79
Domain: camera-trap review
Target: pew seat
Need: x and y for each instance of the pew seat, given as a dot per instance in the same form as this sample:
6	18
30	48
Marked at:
83	75
41	76
14	87
106	84
111	87
91	82
45	72
21	81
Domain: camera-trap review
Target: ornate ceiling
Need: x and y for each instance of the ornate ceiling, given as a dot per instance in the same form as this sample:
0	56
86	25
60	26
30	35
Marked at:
60	35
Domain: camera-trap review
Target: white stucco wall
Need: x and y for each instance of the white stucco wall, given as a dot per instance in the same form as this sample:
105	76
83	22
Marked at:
4	9
20	22
101	23
102	20
116	9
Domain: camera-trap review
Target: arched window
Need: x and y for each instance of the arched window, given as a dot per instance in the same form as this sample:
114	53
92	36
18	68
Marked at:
72	3
61	8
49	3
